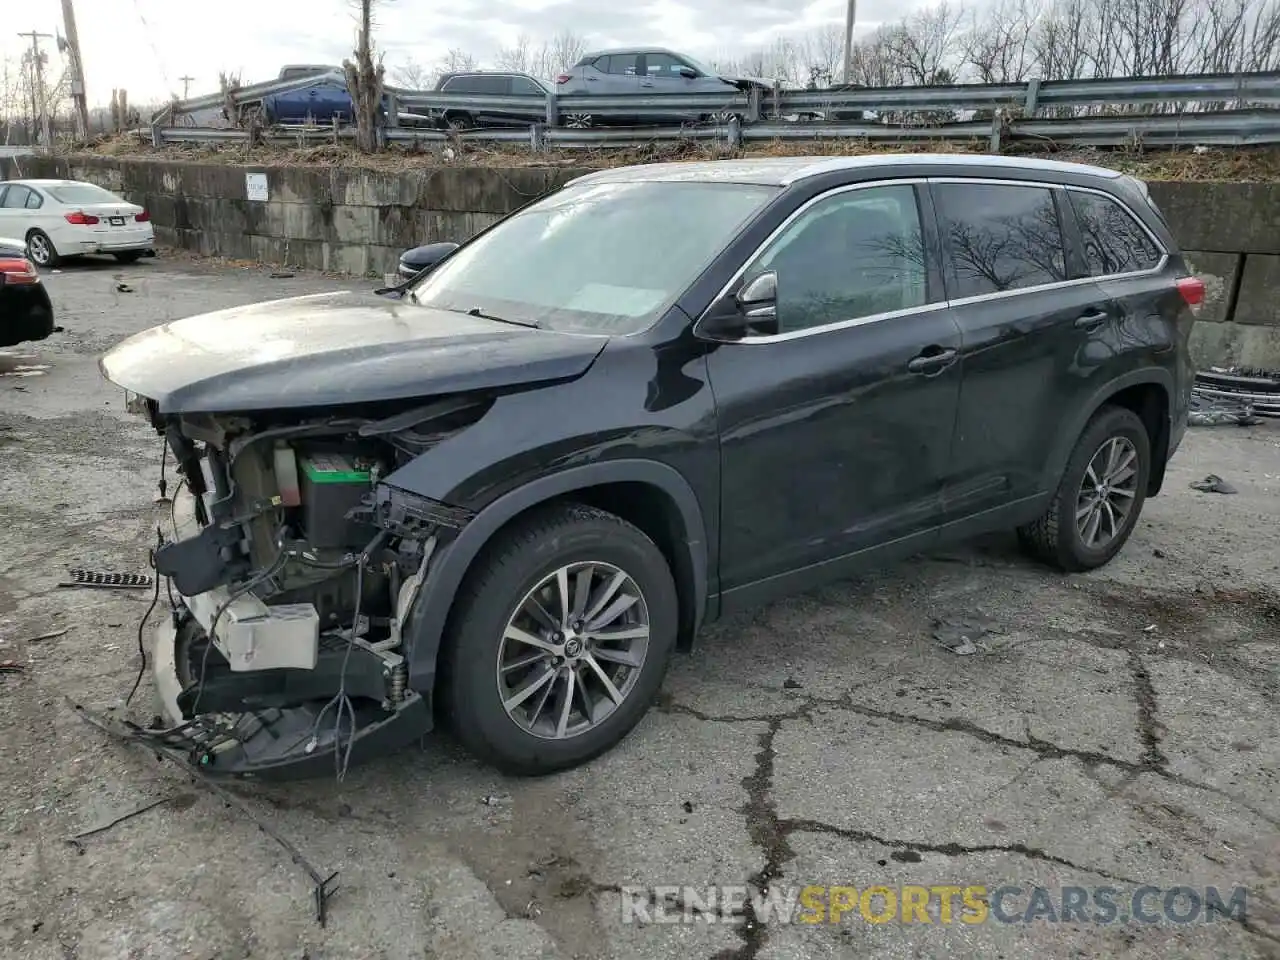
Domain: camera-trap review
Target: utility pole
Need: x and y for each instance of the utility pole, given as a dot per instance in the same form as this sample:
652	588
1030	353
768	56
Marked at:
77	69
37	67
186	85
849	17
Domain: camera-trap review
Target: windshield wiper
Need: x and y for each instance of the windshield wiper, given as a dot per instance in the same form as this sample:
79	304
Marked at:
477	312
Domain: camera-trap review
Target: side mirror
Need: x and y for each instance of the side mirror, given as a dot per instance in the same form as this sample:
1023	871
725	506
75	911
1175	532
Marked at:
758	301
689	73
753	309
423	258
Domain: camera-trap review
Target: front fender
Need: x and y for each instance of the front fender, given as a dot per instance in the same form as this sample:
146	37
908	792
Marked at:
425	627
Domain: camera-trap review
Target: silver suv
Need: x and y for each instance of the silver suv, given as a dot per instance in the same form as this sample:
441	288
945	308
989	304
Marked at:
646	71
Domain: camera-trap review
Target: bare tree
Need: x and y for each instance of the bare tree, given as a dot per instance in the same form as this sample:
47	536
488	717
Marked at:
998	46
519	56
411	75
364	81
1061	39
822	53
559	53
456	60
926	42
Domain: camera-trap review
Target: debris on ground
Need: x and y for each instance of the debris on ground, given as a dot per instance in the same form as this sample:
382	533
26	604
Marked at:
76	841
281	275
1206	412
11	666
323	887
51	635
123	287
961	635
1212	484
106	580
1234	395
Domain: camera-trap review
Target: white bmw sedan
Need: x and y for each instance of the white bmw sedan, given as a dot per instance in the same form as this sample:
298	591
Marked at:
68	218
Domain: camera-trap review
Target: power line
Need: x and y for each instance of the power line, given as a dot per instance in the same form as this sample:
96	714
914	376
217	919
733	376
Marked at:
186	85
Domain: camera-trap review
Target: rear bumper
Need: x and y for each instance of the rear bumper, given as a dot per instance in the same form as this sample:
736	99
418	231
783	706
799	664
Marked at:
122	241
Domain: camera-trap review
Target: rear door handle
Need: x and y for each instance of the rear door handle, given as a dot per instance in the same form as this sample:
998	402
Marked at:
1091	320
930	363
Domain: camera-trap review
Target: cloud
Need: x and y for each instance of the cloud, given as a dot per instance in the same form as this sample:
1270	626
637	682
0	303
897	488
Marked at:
146	46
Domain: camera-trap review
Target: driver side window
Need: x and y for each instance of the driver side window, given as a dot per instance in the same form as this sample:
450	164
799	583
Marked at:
851	255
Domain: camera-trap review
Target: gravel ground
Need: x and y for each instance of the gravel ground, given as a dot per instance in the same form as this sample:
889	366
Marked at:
1113	730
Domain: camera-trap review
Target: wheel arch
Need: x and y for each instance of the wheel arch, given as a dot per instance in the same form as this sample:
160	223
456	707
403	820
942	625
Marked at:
1148	393
650	495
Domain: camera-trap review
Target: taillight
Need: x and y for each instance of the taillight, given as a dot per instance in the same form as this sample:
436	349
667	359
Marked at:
142	217
18	270
563	78
1192	290
81	219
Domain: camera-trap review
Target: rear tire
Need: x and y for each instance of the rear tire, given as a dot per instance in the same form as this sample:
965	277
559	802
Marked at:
509	664
130	256
1067	536
41	250
458	122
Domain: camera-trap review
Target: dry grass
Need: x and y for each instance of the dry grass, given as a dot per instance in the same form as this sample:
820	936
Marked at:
1219	164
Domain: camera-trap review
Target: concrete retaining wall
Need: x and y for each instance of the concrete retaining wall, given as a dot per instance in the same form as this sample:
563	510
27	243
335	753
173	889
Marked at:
358	221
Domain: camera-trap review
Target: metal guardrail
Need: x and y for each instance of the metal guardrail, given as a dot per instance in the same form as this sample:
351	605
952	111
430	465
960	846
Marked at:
759	114
1228	128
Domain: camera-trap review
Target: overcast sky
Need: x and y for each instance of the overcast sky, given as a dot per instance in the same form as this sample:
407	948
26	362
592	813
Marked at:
146	46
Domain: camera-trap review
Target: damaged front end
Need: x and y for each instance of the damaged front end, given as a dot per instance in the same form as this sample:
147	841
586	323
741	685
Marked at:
293	569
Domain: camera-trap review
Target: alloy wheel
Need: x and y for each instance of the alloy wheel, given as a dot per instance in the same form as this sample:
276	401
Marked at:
1107	493
577	121
39	250
573	650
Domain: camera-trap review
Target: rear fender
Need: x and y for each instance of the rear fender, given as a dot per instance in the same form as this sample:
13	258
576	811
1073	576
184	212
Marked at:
1074	427
426	624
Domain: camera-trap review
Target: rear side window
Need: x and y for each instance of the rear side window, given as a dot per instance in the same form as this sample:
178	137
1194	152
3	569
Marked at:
34	200
1114	242
524	87
999	237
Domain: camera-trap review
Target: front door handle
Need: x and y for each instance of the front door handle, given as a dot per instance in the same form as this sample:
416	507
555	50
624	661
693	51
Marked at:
929	363
1091	320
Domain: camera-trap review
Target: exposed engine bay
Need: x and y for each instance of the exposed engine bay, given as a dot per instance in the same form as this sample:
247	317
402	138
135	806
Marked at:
292	576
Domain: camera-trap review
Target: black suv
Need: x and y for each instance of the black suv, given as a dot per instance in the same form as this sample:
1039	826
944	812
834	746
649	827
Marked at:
655	397
531	107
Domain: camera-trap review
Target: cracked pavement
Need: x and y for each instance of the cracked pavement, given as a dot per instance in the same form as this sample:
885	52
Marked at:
1119	729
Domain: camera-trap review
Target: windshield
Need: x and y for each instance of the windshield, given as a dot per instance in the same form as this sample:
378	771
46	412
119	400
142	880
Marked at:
597	258
81	193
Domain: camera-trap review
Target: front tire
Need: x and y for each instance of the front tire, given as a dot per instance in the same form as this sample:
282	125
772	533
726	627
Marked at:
41	250
1100	496
559	641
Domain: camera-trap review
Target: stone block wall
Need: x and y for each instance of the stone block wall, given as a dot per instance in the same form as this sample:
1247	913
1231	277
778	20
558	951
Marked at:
358	222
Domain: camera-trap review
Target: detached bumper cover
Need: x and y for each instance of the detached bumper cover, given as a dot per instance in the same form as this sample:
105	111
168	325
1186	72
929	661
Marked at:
277	744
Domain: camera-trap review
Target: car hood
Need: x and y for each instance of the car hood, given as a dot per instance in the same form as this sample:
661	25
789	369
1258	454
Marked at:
335	349
746	81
